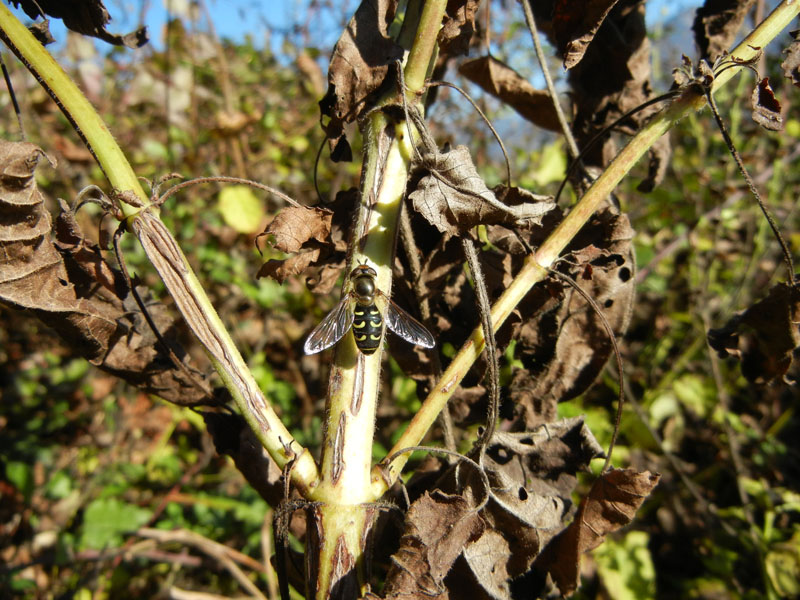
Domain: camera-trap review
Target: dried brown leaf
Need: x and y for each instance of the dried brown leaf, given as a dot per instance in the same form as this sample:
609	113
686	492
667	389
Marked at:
791	65
610	505
88	17
294	226
454	198
483	575
659	155
575	23
438	526
612	78
532	476
69	287
458	26
281	270
764	336
561	340
358	66
716	24
233	437
766	108
504	83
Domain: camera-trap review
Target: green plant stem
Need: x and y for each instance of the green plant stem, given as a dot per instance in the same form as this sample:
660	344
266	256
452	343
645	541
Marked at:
163	252
88	124
536	266
342	519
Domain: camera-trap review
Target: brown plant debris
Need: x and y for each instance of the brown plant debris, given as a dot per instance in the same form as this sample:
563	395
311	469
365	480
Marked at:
504	83
575	23
716	24
764	336
358	66
561	340
791	65
610	505
69	287
531	477
453	197
294	226
438	526
88	17
458	26
315	238
612	78
766	108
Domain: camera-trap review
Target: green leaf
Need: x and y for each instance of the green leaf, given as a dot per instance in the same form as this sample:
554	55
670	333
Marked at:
107	519
241	209
552	165
626	567
783	568
20	475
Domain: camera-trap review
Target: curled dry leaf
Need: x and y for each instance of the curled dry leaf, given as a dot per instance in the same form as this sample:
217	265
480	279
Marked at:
281	269
575	24
716	24
437	528
69	287
612	78
766	108
454	198
504	83
610	505
458	26
88	17
233	437
316	237
531	475
764	336
293	226
791	65
358	66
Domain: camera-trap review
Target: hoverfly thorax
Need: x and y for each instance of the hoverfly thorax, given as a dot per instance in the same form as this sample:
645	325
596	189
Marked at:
363	278
358	310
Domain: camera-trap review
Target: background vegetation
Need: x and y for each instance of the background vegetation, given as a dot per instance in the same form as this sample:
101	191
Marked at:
86	461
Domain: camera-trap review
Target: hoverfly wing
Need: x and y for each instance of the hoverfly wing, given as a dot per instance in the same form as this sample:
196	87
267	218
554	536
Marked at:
331	329
406	326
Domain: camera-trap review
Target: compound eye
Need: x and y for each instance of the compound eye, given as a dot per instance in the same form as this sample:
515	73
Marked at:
364	286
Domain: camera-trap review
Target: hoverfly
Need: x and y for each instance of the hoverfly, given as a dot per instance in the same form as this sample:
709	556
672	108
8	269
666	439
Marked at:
358	310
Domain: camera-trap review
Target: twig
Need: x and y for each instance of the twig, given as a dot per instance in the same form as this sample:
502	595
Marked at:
618	357
485	120
220	552
485	312
13	96
787	255
551	88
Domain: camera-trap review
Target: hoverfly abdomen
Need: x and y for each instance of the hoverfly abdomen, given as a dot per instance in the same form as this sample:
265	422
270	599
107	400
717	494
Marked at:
367	328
